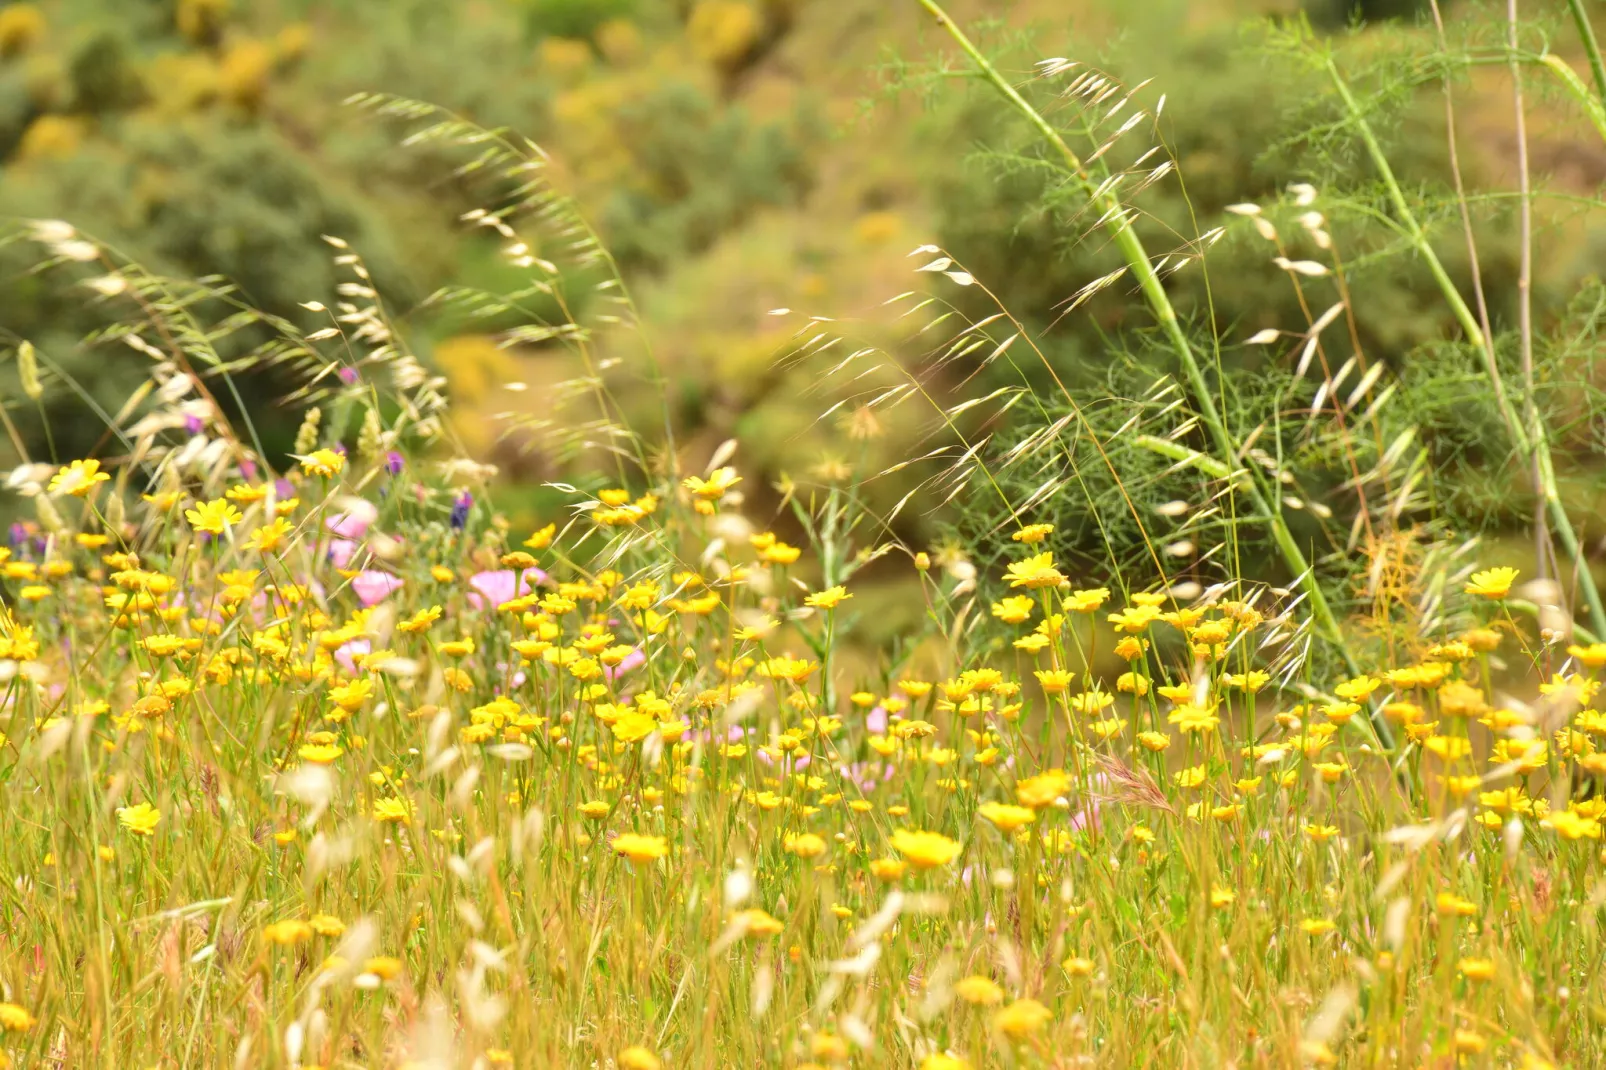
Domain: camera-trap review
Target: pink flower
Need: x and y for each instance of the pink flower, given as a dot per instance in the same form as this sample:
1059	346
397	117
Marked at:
341	552
353	523
633	660
502	585
373	587
346	656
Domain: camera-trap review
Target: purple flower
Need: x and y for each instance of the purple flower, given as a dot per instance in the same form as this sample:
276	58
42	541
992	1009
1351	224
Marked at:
460	508
19	534
393	463
373	587
347	375
194	424
283	488
876	720
248	469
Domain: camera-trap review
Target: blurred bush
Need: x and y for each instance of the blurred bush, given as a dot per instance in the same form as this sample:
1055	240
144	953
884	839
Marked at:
205	138
572	18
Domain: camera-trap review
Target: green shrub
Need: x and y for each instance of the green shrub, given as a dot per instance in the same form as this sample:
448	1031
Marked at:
699	170
572	18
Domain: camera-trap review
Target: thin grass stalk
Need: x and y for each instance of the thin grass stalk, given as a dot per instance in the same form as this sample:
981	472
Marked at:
1126	240
1532	442
1586	34
1525	323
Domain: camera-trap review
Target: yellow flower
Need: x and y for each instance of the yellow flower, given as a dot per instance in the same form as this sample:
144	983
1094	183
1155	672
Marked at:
925	850
392	811
1035	572
458	648
1592	656
384	967
633	727
1134	619
78	478
1015	609
636	1057
350	697
1474	969
327	925
1041	790
640	849
322	463
15	1019
714	487
1357	689
1448	748
756	922
1154	741
421	620
979	991
320	753
1131	648
543	538
1573	826
140	819
1053	681
1317	926
1492	582
287	933
1078	966
1007	817
806	845
1022	1018
1033	533
1086	601
829	598
783	668
269	537
214	517
888	870
941	1061
1222	897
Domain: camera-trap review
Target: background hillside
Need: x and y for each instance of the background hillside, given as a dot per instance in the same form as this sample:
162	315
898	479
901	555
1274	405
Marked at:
737	156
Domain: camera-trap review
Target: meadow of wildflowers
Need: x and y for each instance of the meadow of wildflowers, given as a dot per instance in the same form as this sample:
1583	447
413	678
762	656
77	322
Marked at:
330	764
330	768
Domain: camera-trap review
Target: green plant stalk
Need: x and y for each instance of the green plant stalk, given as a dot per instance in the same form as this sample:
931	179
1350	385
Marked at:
1575	85
1126	240
1586	33
1531	439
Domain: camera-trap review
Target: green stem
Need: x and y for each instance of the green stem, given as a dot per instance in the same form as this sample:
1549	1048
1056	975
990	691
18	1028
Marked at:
1126	240
1580	92
1531	440
1586	33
